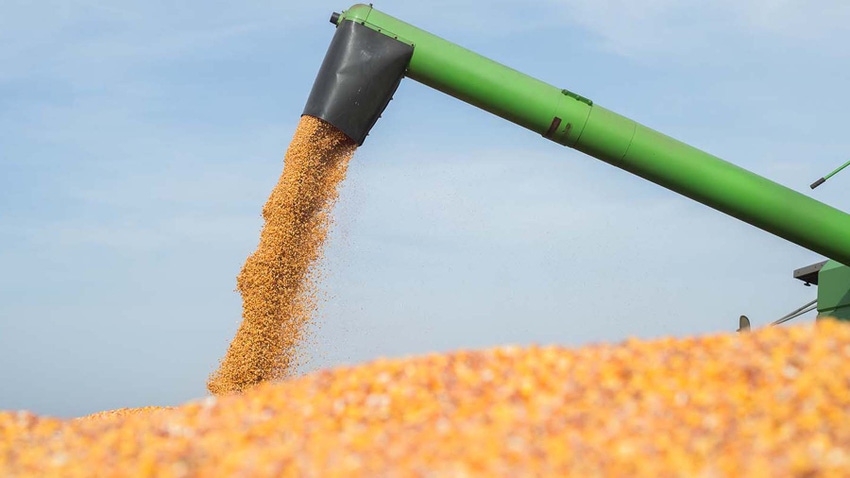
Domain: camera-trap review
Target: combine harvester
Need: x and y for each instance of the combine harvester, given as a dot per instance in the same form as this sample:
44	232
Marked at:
371	52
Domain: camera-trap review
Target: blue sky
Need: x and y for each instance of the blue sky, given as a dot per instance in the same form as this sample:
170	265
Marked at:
138	142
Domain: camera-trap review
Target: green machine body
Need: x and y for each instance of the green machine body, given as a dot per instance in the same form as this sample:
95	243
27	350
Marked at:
572	120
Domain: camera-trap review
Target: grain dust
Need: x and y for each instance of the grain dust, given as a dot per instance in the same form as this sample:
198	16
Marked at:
278	293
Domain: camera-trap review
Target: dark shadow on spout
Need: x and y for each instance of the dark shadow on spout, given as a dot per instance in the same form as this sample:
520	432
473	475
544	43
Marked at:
358	77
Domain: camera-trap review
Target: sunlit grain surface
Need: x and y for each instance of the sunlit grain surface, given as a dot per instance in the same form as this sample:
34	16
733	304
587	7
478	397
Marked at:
774	402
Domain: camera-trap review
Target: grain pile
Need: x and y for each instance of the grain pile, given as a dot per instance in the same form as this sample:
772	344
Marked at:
278	296
774	402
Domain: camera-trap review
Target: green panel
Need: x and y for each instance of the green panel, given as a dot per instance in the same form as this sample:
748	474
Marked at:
834	291
573	120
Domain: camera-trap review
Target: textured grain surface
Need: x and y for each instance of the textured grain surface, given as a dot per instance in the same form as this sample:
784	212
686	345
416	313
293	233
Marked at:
278	297
774	402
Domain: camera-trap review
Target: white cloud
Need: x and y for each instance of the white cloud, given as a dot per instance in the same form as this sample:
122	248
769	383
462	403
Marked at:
65	38
458	17
665	27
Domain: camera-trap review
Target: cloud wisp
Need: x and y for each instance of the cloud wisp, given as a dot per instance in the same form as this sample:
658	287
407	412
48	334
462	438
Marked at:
675	28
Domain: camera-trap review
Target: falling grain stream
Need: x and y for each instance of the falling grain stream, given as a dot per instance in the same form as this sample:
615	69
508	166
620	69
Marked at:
278	293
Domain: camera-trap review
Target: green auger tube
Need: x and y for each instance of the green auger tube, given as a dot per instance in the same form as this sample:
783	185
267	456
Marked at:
575	121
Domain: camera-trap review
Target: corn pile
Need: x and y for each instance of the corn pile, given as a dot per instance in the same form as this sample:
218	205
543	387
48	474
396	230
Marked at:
278	297
774	402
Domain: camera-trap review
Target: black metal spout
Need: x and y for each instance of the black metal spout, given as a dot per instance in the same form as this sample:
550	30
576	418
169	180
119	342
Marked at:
361	72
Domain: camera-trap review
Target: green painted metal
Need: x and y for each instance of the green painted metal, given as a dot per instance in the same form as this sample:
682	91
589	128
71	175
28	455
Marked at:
482	82
575	121
834	291
837	170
